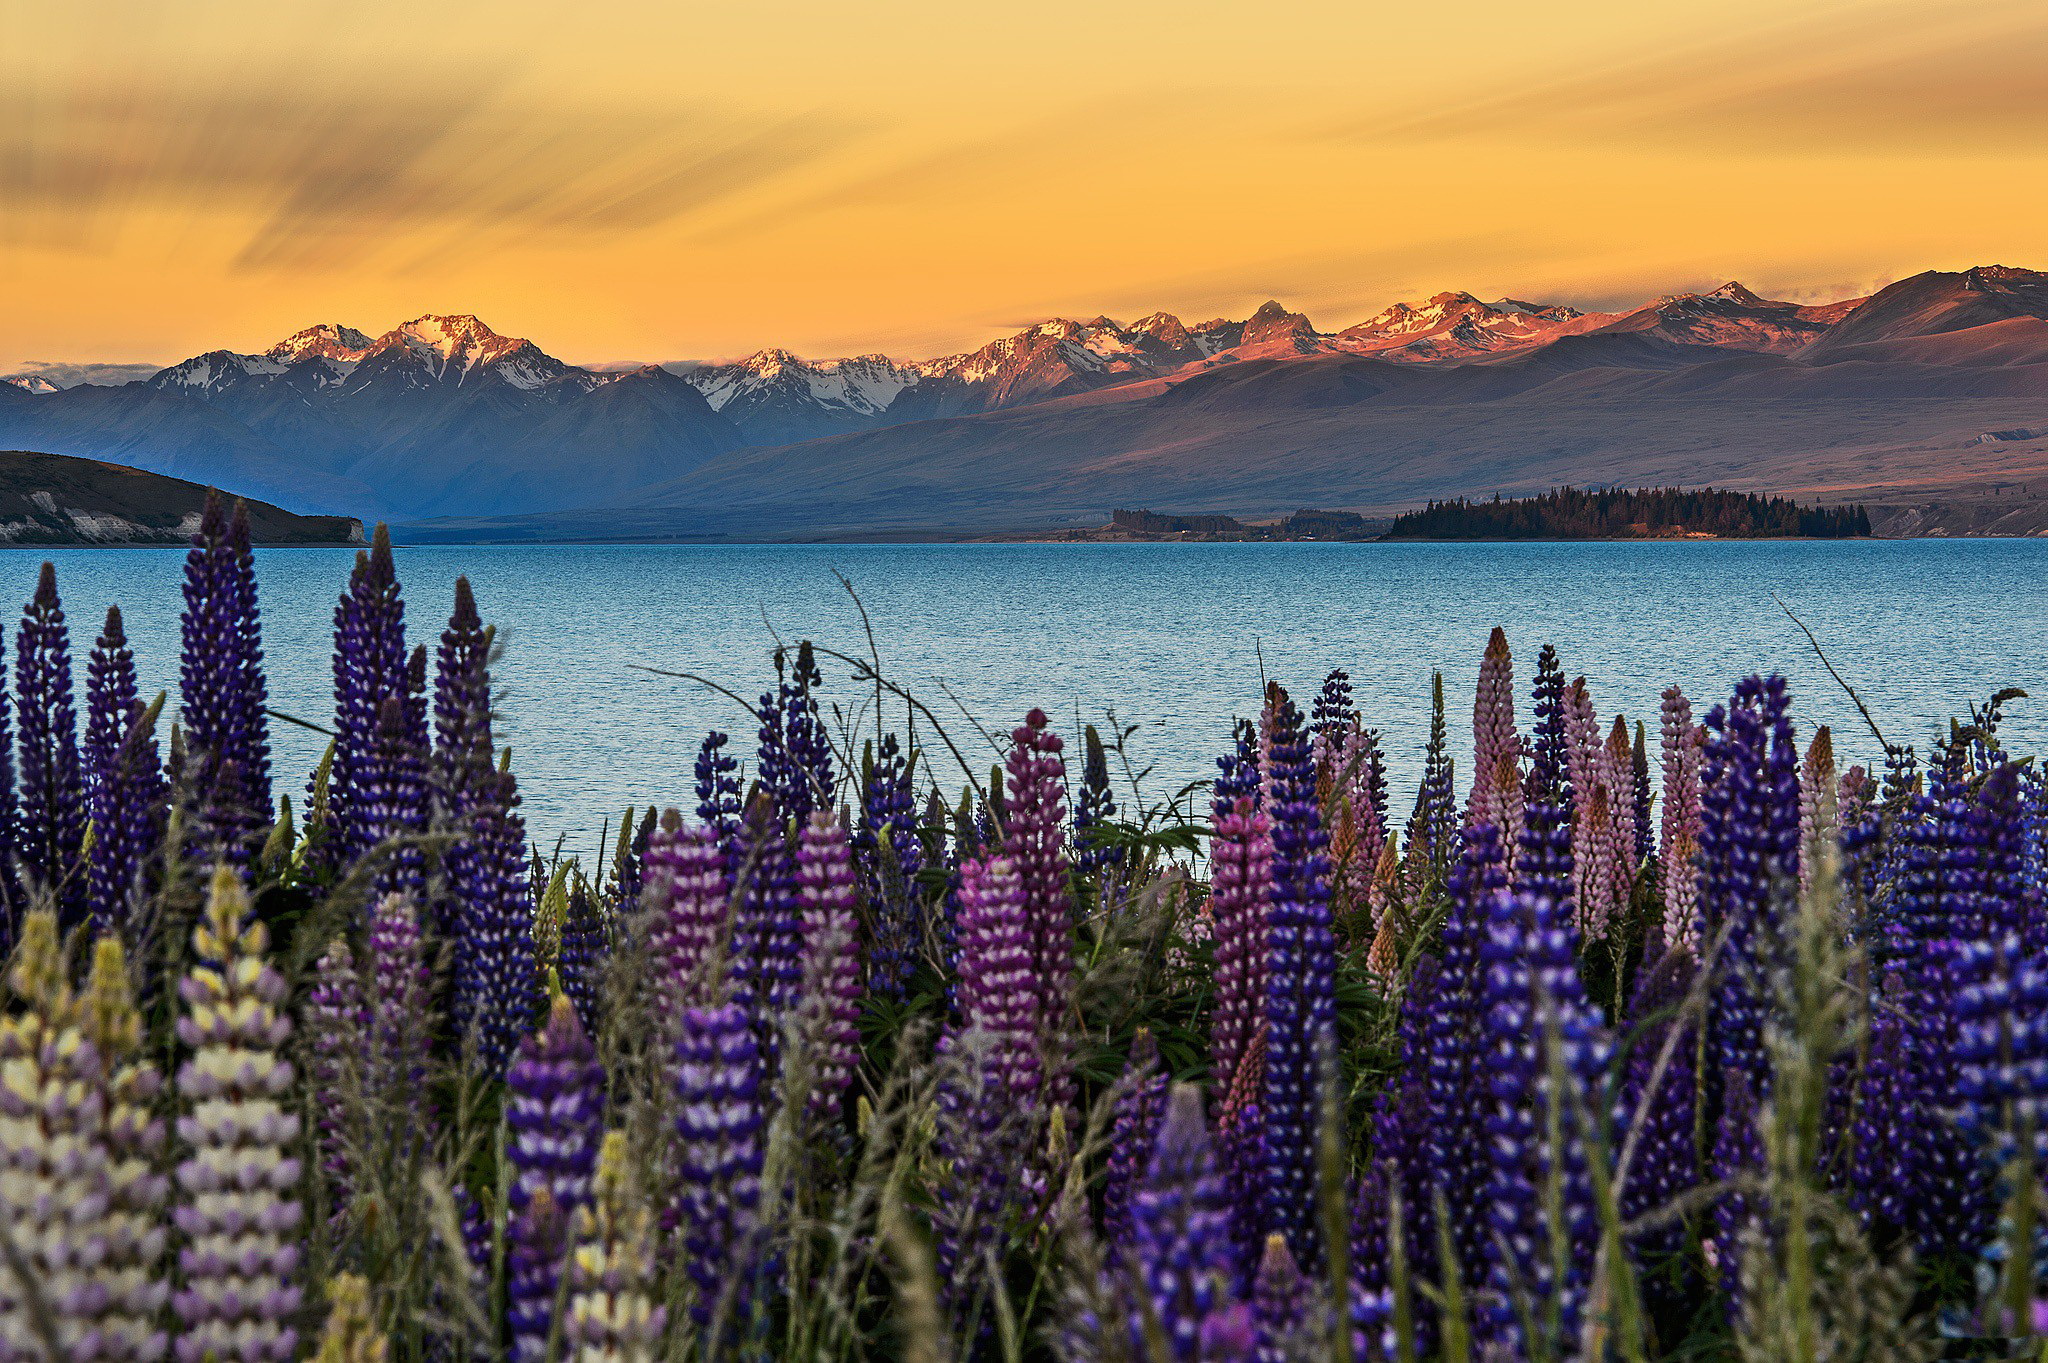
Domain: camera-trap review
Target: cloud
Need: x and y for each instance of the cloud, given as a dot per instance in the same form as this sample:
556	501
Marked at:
413	166
1915	77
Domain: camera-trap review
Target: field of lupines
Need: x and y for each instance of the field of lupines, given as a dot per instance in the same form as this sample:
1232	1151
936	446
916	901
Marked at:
1654	1042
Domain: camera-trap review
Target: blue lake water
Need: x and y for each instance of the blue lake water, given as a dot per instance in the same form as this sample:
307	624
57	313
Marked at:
1171	638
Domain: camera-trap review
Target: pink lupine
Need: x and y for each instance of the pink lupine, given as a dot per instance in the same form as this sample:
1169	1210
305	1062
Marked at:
1819	795
1679	840
687	890
829	1011
1495	743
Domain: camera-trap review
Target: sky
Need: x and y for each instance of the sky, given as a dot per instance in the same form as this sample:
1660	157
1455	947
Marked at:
651	180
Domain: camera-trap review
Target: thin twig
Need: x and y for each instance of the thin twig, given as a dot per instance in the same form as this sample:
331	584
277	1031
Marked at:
1822	654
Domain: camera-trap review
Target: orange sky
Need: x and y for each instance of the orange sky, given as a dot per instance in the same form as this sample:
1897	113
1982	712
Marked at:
643	180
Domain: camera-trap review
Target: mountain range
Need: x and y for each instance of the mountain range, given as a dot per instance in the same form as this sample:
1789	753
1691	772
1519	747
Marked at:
442	417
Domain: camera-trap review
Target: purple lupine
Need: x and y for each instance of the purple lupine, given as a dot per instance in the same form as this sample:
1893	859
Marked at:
1240	896
335	1020
1181	1254
1409	1155
496	988
1096	810
717	789
128	813
629	867
1034	834
238	1209
1679	840
1544	1229
1628	798
581	955
1495	743
390	795
795	760
890	857
999	992
1664	1163
1749	863
1437	802
2002	1049
1329	717
1237	772
720	1088
1301	998
767	937
1133	1131
1280	1302
1877	1172
370	669
829	1010
1738	1154
688	898
1543	859
1355	805
397	991
111	698
554	1120
50	823
463	746
226	724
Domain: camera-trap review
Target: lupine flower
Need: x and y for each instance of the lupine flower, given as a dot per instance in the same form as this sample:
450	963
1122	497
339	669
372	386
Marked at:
496	989
1543	860
1738	1153
1097	809
127	824
1639	765
1034	833
2002	1049
390	798
688	895
129	1240
1238	771
1280	1301
370	667
1180	1245
50	825
1539	1026
891	857
1819	789
830	1008
718	791
335	1020
1437	803
720	1086
111	699
1494	741
1878	1171
238	1212
1665	1162
1134	1130
226	726
1240	897
1628	798
629	867
463	747
1749	862
1355	812
1301	1003
580	958
554	1119
611	1316
399	1000
1000	995
795	760
351	1334
1409	1154
767	939
1679	840
1329	717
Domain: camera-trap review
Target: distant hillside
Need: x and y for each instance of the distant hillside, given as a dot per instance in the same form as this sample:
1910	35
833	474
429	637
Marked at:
1620	513
54	499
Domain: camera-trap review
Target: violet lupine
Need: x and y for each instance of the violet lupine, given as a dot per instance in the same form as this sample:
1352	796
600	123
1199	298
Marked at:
688	898
370	669
1356	812
1181	1255
580	958
1738	1154
717	788
463	746
1329	717
795	758
1133	1132
1664	1163
1034	836
1096	810
1819	789
390	796
111	699
829	1011
767	938
226	726
1628	799
496	988
1495	743
1436	803
611	1315
1540	1028
1301	998
131	1287
1749	863
128	813
554	1120
238	1209
1240	901
720	1096
1280	1302
1878	1171
50	821
891	856
1000	995
332	1034
398	995
2002	1049
629	867
1411	1156
1678	843
1543	859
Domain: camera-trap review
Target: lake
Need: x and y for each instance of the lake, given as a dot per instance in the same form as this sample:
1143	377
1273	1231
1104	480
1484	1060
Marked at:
1170	638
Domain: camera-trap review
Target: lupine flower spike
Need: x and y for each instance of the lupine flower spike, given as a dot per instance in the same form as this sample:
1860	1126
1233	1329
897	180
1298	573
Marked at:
612	1317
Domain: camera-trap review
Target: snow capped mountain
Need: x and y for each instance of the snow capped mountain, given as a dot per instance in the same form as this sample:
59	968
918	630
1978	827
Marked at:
1731	316
326	341
1453	325
776	396
458	349
32	383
